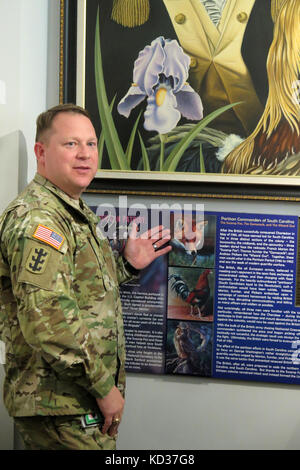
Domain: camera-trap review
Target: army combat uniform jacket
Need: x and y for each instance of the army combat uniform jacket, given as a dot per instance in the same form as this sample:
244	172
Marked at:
60	316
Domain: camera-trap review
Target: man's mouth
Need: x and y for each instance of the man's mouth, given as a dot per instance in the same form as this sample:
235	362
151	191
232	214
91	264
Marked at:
83	168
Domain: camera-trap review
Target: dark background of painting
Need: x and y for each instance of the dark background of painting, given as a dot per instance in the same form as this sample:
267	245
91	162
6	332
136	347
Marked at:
120	47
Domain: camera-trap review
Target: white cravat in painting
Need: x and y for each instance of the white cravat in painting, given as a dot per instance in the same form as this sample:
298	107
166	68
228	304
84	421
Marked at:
214	9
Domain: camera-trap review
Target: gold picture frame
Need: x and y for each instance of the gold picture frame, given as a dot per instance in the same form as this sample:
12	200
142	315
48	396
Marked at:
73	66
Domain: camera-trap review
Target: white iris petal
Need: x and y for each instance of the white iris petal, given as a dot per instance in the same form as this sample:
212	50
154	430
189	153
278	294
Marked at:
163	64
163	118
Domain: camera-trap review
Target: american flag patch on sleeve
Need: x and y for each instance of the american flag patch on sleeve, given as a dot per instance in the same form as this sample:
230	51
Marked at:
49	236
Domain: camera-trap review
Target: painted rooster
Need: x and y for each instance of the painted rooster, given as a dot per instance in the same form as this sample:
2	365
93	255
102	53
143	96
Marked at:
274	146
198	298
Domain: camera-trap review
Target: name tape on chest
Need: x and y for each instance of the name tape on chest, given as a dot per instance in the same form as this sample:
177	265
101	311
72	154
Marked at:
49	236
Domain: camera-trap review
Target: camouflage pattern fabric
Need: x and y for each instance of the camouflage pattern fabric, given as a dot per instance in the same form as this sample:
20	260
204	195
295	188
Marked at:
60	314
61	433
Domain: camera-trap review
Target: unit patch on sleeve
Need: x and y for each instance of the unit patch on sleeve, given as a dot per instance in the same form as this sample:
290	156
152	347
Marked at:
37	260
40	265
49	236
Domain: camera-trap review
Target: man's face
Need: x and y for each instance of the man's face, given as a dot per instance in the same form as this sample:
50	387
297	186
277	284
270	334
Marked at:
68	154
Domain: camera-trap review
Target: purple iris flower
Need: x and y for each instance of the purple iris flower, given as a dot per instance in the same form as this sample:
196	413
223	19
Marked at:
160	73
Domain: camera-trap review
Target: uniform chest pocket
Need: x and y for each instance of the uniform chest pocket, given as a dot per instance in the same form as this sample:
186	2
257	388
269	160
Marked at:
109	260
88	279
94	270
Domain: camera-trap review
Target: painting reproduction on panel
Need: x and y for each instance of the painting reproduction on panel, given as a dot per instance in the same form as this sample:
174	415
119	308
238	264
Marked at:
194	86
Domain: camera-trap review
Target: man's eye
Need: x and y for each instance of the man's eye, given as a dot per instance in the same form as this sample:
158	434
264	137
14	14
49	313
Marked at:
71	144
92	144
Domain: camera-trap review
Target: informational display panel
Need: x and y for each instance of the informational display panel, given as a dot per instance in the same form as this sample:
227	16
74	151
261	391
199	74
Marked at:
221	304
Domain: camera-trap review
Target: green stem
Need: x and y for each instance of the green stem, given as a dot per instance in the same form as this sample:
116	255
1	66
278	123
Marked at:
202	165
114	148
163	140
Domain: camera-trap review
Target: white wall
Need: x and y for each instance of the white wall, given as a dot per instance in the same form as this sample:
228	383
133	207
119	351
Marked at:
23	69
161	412
185	413
23	73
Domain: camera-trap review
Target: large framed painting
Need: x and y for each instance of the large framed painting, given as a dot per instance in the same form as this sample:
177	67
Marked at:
189	96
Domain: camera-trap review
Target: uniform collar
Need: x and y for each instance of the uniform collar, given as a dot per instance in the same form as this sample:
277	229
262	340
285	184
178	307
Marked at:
77	204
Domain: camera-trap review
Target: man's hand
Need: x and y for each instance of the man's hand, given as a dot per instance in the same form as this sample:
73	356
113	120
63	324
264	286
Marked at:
111	407
142	249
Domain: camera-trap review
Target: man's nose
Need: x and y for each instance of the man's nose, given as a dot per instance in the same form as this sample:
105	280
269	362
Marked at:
83	151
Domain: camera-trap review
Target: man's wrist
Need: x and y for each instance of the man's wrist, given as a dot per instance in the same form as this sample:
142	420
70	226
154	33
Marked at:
131	269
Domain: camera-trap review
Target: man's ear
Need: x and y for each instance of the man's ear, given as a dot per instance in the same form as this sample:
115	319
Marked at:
39	150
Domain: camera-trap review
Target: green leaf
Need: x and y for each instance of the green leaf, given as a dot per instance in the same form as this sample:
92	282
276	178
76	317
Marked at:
176	154
115	151
202	165
144	155
163	140
128	153
101	139
100	149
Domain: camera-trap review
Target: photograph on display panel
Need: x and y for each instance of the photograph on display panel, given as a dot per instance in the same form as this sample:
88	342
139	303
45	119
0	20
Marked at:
231	314
191	88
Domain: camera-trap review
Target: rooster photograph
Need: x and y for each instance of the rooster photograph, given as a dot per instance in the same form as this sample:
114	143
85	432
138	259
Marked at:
191	293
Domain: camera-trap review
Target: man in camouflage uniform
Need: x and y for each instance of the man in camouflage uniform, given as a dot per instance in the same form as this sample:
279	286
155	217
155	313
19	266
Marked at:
60	317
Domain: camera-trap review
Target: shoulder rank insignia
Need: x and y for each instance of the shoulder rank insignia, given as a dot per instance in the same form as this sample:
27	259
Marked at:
49	236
